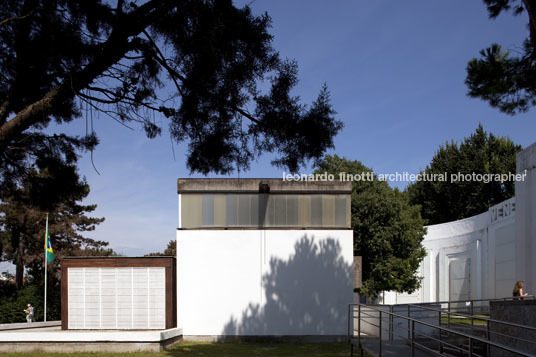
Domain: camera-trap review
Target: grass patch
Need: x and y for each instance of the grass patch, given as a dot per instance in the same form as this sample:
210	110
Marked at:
235	349
463	320
261	349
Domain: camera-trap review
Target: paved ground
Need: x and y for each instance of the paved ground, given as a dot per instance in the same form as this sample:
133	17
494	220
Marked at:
389	348
36	329
28	326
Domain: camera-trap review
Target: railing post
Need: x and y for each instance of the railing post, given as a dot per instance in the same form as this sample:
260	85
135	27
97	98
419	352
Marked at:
440	343
448	315
380	334
412	338
349	327
391	322
409	322
470	347
488	336
472	313
359	325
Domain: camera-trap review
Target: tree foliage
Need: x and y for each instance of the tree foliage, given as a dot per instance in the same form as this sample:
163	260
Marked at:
506	82
23	211
170	251
199	64
450	200
388	231
13	302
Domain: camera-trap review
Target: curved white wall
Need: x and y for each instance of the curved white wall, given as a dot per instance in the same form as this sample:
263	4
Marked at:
481	257
473	258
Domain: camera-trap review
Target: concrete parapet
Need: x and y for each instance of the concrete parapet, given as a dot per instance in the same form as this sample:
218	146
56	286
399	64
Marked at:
253	185
521	312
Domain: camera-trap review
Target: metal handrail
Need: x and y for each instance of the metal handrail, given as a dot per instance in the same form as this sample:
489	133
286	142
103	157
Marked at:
533	297
409	330
513	324
471	338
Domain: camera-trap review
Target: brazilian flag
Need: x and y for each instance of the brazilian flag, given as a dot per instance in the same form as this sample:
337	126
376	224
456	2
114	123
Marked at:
48	247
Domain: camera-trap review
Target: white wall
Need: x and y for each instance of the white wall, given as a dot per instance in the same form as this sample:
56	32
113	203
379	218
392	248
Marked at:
501	262
453	246
526	221
264	282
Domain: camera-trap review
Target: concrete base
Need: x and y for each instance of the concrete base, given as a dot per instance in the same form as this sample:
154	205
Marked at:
53	339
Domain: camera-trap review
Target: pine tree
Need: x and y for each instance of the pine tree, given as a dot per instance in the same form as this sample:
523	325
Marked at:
197	65
450	200
22	221
506	82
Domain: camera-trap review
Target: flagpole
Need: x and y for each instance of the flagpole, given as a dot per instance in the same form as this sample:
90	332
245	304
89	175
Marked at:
46	238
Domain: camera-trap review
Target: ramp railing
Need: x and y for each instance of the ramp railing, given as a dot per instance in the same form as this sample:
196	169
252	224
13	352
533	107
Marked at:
434	329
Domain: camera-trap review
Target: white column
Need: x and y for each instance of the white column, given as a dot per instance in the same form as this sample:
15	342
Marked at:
431	293
526	218
480	278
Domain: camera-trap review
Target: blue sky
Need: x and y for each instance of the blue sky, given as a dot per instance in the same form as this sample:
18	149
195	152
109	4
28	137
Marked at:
396	73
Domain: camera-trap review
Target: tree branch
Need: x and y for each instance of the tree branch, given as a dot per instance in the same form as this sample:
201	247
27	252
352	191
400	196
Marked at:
162	60
4	111
14	18
98	100
109	113
117	45
119	7
247	115
530	6
108	93
174	74
123	99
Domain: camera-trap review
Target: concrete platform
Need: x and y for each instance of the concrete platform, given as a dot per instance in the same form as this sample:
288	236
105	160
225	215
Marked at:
53	339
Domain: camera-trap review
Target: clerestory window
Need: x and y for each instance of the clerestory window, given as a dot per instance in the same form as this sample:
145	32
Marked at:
246	210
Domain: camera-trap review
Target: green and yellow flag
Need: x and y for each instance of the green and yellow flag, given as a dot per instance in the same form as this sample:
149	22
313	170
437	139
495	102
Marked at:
48	246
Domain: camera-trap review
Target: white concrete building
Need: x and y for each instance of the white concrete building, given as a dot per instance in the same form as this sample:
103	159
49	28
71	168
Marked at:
481	257
263	257
267	257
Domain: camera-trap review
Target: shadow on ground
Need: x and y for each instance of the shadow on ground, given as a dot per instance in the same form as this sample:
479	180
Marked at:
260	349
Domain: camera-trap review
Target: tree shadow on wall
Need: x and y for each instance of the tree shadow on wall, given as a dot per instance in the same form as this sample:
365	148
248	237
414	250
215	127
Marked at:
306	295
